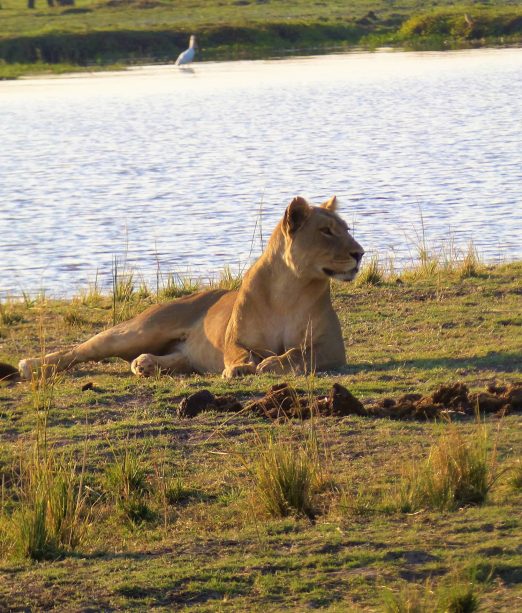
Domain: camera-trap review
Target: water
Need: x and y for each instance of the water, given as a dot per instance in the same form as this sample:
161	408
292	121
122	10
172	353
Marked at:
182	168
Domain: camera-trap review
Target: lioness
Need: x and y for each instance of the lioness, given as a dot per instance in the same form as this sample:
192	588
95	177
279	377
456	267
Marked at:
280	320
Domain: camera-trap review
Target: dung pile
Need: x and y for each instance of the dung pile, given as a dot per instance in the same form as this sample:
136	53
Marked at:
452	400
8	372
206	401
282	401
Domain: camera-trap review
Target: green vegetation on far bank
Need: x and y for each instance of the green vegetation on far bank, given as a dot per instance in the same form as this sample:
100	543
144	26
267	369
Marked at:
107	32
109	500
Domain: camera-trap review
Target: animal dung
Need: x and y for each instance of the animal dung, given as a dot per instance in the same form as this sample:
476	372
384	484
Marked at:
282	401
8	372
206	401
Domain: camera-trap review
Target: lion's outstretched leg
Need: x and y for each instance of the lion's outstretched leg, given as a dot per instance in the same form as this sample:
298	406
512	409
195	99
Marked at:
146	364
120	342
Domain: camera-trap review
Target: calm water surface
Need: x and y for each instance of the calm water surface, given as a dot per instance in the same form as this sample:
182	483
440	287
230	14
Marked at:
170	166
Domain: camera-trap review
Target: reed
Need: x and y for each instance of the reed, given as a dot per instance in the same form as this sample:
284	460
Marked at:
409	599
168	486
122	291
372	273
92	296
470	265
9	317
516	476
54	511
72	318
359	501
283	479
227	279
458	597
175	285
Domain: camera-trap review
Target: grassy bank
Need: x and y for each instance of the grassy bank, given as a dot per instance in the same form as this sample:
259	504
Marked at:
229	511
137	31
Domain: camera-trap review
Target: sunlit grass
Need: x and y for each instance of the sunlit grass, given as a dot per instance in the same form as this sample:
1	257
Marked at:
287	474
456	597
372	273
196	517
458	472
127	485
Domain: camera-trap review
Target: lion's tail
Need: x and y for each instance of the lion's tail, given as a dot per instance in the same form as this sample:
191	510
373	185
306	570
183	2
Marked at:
8	372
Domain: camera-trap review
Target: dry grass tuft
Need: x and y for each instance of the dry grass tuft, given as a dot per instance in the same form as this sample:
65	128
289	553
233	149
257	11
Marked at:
458	472
470	265
288	474
372	273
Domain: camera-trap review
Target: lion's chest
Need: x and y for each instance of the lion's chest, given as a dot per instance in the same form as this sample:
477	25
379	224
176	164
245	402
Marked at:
281	333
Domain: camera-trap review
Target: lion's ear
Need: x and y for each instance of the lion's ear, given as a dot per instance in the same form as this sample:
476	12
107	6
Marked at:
296	214
330	205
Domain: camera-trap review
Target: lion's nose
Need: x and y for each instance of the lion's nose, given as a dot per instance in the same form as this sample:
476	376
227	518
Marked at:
357	256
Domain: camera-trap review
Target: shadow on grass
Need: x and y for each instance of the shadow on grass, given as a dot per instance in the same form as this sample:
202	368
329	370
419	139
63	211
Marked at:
510	574
177	593
494	360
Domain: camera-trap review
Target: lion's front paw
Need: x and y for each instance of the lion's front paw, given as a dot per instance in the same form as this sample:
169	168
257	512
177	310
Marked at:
27	368
144	365
273	364
238	370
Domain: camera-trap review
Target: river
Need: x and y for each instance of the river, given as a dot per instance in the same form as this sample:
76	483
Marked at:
189	170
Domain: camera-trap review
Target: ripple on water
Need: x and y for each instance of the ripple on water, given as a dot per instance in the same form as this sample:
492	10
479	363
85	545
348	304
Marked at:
154	165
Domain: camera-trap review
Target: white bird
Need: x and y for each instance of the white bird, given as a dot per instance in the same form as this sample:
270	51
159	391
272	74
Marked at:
188	55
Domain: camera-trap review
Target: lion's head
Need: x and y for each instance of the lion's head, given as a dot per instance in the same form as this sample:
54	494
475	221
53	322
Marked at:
317	242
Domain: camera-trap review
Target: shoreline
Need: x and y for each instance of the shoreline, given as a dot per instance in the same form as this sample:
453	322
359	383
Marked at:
17	72
55	72
116	40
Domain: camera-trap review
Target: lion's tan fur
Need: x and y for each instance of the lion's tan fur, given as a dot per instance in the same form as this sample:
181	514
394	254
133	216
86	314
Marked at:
280	319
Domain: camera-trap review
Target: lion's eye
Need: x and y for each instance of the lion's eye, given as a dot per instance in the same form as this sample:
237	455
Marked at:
326	231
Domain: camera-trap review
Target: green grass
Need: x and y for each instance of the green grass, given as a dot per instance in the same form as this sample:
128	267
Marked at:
456	597
204	541
99	33
458	472
126	483
287	475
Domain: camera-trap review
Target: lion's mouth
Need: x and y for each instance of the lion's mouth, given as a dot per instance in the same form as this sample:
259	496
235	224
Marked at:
341	276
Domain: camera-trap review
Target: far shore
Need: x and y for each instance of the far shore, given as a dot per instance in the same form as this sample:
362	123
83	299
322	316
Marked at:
42	71
95	37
